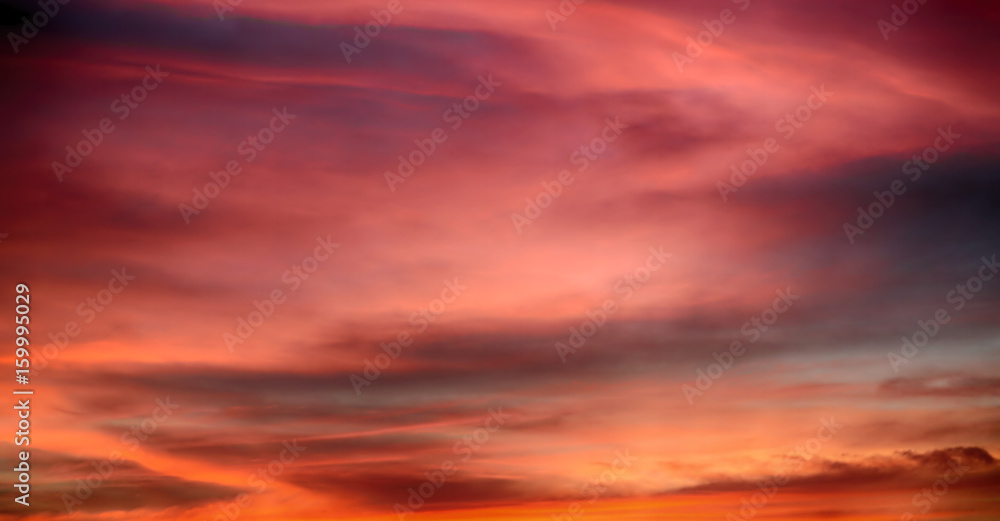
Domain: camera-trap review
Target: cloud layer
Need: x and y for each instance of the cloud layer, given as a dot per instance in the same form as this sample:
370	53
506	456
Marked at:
665	265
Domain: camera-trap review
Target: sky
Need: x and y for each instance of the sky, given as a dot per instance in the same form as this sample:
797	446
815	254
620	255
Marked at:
533	260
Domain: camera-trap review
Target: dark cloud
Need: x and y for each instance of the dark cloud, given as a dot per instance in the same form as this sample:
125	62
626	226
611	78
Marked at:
119	485
903	471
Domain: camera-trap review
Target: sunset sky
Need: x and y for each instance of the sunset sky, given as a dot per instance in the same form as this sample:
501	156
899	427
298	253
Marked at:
499	261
